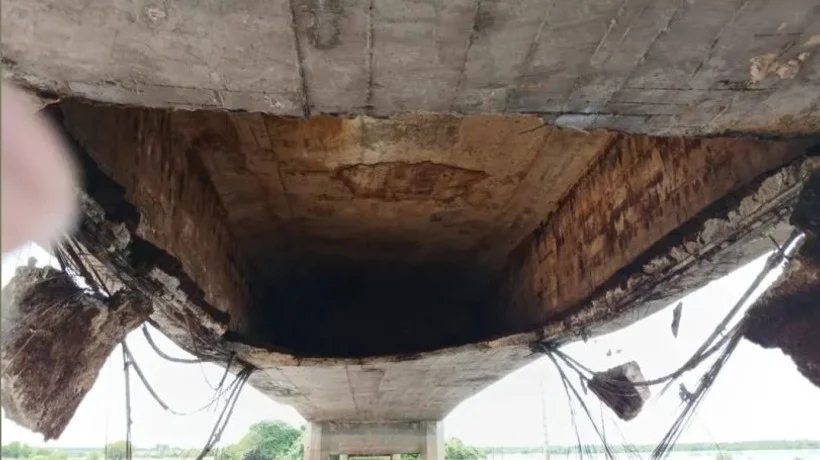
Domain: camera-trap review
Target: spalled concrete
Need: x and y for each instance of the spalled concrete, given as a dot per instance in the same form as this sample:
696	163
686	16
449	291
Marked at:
645	66
712	226
301	230
787	315
642	190
466	177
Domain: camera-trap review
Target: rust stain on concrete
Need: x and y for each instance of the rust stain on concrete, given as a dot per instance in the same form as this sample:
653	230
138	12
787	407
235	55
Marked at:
397	181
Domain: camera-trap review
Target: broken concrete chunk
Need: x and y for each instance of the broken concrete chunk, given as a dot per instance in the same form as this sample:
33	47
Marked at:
55	339
616	388
676	318
806	213
788	315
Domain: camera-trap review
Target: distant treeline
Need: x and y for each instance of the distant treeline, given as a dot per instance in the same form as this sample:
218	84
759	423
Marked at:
682	447
22	451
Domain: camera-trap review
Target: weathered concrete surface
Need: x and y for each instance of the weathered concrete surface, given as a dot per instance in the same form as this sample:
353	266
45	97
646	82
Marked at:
415	187
643	191
55	340
788	316
164	177
425	438
714	226
644	66
300	230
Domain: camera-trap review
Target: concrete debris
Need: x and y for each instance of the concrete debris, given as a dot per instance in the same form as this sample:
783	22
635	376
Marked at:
616	388
55	339
788	316
676	318
806	213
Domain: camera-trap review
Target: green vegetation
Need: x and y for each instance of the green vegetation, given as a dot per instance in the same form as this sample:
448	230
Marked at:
117	450
276	440
269	440
691	447
454	449
17	450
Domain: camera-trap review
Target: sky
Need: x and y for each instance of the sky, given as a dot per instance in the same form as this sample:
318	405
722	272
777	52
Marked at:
758	396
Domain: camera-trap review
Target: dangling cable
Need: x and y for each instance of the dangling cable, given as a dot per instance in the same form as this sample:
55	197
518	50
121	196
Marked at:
162	354
227	411
128	420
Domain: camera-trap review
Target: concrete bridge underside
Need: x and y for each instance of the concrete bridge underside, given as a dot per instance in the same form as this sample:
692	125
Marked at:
474	177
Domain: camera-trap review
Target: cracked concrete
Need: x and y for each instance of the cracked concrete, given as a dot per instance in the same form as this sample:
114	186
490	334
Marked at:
719	198
512	169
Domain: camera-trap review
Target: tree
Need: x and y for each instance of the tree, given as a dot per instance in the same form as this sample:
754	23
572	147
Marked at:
270	440
93	455
117	450
58	455
16	450
455	449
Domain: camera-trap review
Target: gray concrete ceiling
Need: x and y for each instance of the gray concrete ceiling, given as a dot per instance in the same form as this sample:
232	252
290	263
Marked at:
651	66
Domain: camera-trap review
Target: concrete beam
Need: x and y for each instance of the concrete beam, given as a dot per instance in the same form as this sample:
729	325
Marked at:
661	67
425	438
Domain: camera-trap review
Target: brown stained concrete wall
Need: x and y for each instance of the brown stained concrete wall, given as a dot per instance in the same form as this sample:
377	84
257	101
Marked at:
641	190
179	209
428	385
306	230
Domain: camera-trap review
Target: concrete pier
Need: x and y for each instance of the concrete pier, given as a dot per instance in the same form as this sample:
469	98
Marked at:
425	438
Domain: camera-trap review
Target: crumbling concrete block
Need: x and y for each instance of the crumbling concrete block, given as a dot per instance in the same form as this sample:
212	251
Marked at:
55	339
617	389
787	316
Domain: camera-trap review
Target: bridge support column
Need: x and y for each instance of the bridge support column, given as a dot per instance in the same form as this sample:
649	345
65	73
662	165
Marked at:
375	438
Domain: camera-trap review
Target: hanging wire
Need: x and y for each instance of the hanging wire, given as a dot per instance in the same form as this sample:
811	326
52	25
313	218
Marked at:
159	400
690	407
227	411
715	341
568	385
720	342
164	355
128	421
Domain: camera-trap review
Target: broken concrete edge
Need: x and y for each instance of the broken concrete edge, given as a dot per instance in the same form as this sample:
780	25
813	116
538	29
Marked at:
113	246
56	339
787	316
51	91
721	236
38	99
717	241
169	280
